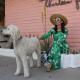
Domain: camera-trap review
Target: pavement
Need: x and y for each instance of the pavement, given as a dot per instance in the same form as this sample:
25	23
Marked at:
8	68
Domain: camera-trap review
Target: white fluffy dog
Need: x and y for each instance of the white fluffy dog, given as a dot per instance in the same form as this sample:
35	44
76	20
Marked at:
23	47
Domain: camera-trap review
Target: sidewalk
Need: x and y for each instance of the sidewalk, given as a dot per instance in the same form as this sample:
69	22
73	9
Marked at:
8	68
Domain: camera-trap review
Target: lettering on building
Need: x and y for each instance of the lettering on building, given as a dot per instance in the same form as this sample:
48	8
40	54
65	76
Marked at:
49	3
77	4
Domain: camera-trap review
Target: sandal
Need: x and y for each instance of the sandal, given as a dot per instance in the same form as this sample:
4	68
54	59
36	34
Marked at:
48	66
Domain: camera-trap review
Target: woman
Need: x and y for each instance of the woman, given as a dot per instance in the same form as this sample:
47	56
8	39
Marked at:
59	45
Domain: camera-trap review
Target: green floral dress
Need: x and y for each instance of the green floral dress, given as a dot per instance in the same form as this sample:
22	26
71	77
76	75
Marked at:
59	47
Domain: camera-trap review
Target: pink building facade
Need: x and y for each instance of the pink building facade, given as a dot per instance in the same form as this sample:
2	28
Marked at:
27	16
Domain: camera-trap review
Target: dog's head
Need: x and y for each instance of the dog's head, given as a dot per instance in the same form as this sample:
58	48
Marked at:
13	31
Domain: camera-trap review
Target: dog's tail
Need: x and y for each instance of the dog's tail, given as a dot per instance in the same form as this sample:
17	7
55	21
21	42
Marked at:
38	48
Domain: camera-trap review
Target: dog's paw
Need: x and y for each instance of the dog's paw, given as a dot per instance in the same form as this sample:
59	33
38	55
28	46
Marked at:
26	76
16	74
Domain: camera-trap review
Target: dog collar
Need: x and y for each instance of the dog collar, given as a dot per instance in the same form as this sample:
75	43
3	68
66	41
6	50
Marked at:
19	39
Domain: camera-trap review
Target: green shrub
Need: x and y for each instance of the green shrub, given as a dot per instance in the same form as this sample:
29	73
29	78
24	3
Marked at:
74	52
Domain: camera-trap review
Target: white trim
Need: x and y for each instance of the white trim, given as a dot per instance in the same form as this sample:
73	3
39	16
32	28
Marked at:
10	53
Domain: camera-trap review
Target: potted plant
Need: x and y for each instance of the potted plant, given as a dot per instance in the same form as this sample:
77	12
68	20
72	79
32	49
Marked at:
66	60
75	59
45	46
70	59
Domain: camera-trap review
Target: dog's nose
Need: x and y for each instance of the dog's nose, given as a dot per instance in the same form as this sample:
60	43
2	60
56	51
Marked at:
1	30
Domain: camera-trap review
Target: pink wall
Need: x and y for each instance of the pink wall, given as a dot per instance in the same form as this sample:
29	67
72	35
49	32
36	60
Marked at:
26	14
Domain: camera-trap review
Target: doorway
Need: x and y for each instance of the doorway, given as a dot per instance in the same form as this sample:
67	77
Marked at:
2	12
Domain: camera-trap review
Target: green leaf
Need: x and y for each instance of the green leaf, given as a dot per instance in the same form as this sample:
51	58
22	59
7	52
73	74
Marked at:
29	35
74	52
33	35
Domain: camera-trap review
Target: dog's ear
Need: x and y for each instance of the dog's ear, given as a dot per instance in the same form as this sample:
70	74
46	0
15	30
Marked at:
17	34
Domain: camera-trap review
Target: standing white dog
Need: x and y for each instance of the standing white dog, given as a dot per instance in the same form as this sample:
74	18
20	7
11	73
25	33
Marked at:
23	47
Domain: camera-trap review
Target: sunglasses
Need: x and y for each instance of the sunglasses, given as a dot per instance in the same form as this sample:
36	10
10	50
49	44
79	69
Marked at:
57	19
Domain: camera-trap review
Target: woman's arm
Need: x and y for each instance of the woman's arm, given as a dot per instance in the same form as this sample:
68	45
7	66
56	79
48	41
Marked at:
47	35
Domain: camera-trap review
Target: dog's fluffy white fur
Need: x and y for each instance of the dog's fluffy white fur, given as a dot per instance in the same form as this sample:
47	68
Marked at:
23	47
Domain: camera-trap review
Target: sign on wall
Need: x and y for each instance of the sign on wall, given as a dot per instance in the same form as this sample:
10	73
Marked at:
49	3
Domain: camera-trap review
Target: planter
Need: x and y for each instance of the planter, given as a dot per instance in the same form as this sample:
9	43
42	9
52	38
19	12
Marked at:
65	60
44	57
75	60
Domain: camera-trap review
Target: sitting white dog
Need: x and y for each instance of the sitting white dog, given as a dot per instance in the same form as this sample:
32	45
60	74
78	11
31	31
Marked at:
23	47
